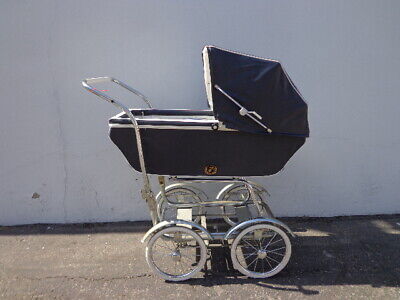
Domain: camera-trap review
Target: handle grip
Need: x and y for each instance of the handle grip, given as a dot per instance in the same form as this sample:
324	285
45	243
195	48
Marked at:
97	80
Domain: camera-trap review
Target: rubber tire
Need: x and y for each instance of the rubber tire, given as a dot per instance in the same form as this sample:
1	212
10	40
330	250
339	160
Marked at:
156	270
274	271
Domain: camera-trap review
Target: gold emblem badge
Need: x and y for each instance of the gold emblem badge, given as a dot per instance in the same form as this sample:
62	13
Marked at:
210	170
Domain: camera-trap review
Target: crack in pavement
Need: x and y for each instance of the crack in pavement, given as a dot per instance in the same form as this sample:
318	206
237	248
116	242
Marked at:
86	278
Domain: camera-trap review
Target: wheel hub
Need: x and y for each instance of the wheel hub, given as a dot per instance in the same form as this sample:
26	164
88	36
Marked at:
176	255
261	254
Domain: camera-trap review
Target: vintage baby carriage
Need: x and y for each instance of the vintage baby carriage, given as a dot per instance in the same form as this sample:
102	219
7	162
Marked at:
257	120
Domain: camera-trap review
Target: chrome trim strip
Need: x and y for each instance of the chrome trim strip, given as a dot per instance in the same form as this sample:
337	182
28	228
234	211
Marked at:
180	120
187	127
256	221
169	118
164	224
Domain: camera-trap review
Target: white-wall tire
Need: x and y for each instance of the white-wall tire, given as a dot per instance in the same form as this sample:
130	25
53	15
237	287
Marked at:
174	240
245	261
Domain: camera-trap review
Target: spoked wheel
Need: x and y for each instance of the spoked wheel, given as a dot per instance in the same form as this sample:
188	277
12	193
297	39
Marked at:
242	194
261	251
176	253
178	195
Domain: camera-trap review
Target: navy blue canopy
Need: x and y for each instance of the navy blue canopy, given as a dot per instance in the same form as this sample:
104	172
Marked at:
235	81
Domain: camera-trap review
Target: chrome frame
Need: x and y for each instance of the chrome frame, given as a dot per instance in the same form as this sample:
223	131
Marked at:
250	185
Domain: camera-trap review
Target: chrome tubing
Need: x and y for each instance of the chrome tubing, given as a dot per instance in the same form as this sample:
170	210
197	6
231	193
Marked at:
87	85
147	193
243	111
250	185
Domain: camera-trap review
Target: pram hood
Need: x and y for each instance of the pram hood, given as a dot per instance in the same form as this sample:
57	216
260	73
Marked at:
257	84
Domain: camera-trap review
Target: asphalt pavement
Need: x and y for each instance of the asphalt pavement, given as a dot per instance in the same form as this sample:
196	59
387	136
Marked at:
333	258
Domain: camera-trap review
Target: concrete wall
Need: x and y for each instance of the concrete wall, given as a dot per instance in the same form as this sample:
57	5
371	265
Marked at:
343	55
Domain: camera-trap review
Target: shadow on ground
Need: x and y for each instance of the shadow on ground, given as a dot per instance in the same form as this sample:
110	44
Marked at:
330	251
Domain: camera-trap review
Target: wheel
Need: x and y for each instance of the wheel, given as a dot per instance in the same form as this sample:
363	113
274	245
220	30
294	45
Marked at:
261	251
176	253
241	194
178	195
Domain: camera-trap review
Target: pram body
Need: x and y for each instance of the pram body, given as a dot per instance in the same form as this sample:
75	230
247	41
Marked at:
202	142
255	123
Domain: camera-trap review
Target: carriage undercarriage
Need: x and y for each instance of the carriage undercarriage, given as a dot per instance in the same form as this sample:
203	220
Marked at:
190	226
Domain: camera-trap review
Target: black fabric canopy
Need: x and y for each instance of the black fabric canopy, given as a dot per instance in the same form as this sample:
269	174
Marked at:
257	84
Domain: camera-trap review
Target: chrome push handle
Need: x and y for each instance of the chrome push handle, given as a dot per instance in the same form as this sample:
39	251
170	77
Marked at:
89	81
147	194
87	85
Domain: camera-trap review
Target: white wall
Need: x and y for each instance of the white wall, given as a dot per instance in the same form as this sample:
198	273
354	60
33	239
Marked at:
343	55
